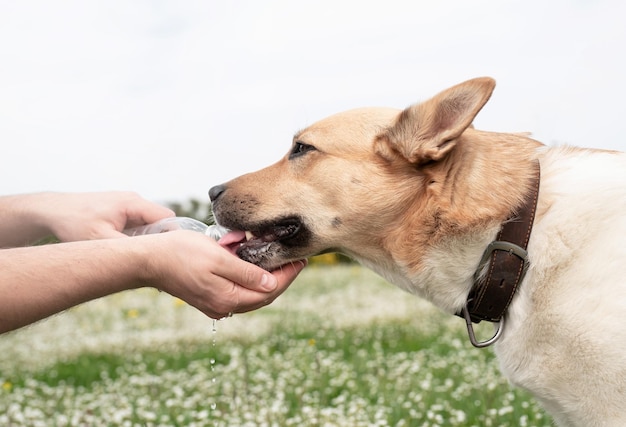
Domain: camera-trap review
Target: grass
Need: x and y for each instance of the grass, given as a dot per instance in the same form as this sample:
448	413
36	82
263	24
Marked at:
340	348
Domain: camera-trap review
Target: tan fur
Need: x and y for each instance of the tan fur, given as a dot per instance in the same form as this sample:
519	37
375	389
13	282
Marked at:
418	194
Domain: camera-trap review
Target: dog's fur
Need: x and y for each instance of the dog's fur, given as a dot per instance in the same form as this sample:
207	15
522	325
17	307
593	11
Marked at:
417	195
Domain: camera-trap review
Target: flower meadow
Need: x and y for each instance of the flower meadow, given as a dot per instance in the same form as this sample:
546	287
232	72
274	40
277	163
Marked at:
340	348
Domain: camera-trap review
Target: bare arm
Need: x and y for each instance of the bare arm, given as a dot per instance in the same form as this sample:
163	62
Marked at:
37	282
96	259
27	218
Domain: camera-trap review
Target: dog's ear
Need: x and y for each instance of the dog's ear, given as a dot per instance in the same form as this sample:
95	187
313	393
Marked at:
427	132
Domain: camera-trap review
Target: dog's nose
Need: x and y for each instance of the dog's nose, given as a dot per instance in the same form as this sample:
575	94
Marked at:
216	191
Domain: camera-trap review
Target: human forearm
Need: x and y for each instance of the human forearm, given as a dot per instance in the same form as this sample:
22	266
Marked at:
37	282
73	216
23	222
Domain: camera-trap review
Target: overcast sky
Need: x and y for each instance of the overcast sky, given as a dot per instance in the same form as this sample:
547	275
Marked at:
168	98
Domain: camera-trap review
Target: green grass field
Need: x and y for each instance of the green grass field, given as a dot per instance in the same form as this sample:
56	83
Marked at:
340	348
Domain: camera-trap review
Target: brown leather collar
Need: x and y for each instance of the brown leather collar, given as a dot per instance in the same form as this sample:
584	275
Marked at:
490	296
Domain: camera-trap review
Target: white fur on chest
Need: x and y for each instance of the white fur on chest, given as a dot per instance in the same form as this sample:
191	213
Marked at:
565	338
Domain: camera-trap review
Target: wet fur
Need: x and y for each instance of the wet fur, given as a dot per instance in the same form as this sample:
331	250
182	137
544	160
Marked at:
418	194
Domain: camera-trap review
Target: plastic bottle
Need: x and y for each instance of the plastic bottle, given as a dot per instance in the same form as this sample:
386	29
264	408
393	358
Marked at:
178	223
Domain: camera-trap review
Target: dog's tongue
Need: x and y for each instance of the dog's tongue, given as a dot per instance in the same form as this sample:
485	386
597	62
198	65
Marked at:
231	240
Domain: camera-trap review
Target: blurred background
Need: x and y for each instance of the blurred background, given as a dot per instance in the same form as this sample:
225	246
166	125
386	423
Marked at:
170	98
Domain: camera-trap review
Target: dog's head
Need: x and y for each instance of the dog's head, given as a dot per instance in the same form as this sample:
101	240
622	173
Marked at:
324	195
375	184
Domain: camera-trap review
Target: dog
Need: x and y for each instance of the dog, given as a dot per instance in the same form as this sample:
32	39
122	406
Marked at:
420	196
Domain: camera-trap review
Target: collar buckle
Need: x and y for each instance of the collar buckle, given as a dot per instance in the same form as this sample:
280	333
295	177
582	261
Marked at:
472	336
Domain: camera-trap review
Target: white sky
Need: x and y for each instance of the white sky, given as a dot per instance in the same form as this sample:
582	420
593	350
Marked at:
168	98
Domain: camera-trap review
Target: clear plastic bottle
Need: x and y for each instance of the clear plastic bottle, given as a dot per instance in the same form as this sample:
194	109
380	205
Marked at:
178	223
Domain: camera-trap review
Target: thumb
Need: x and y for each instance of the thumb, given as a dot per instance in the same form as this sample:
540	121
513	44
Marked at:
257	279
146	212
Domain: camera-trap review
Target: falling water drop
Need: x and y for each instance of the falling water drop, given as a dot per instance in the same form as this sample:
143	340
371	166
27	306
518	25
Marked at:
212	360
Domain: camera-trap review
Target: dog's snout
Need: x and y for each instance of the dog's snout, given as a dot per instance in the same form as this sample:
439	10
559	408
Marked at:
215	192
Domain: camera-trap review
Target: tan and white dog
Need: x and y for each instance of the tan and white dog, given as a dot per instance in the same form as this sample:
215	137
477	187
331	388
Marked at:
417	195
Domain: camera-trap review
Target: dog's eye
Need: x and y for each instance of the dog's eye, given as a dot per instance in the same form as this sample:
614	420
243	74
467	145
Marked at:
299	148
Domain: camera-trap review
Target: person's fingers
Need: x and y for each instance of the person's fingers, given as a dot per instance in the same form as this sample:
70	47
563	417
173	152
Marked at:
228	284
249	300
223	299
143	211
246	274
110	233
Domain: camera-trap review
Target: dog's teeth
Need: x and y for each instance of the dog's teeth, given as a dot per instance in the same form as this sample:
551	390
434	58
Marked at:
249	235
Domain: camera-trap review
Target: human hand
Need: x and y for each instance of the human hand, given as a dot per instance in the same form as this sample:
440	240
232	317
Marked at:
194	268
88	216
